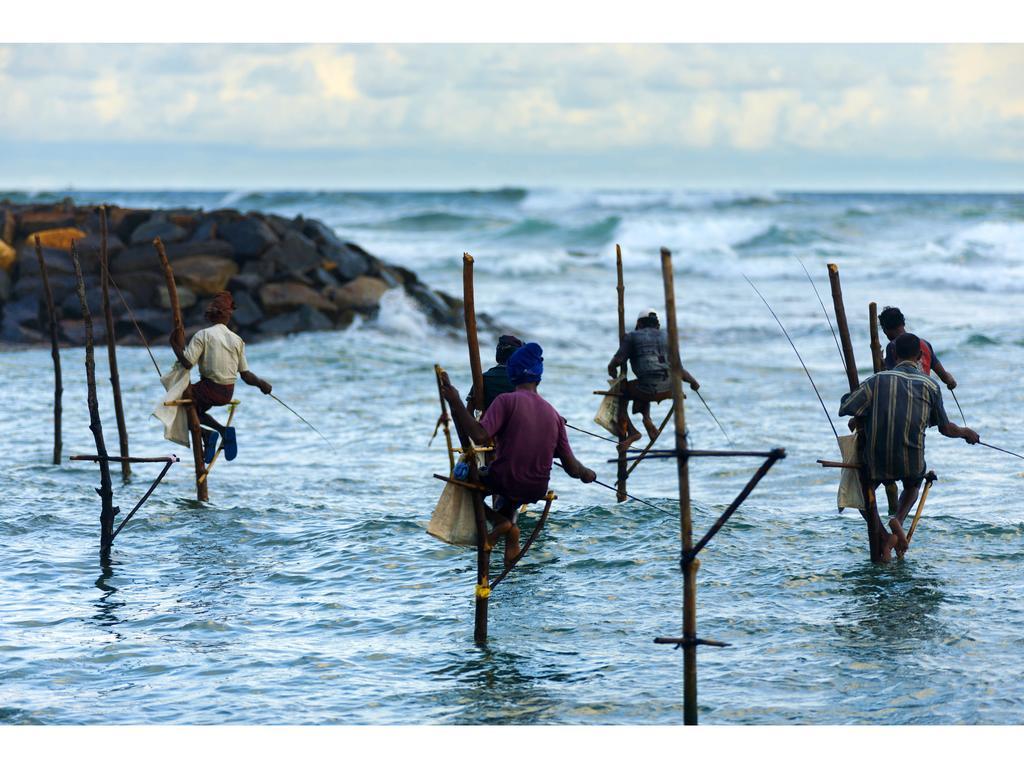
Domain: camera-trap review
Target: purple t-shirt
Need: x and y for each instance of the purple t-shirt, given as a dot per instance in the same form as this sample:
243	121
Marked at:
528	434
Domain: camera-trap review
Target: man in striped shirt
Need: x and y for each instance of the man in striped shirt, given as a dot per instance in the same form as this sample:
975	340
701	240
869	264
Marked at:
897	407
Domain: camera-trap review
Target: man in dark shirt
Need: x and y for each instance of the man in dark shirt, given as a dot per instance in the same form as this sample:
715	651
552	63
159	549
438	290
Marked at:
496	379
894	325
646	349
528	434
897	407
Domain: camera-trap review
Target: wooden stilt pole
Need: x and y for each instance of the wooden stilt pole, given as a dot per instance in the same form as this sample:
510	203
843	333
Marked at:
115	378
870	514
623	472
690	564
483	554
891	492
444	419
196	432
107	511
58	383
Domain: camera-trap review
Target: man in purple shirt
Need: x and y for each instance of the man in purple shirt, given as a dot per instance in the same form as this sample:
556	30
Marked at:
528	434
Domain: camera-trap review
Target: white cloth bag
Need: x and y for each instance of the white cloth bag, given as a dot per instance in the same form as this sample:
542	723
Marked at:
850	493
608	411
454	520
173	417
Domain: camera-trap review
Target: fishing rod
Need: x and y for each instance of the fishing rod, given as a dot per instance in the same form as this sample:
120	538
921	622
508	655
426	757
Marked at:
634	498
136	324
828	319
705	402
997	448
299	416
803	365
953	393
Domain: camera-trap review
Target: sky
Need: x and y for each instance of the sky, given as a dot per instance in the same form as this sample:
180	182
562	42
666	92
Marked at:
447	116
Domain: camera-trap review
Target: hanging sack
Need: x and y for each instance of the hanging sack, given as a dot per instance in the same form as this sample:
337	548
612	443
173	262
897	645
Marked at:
851	496
609	409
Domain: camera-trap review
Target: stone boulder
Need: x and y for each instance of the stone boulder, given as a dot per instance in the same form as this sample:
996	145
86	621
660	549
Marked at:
7	257
72	306
61	286
124	221
30	222
205	275
295	253
153	322
13	332
8	226
158	225
247	311
249	237
278	298
139	288
59	238
145	256
186	298
362	294
5	287
348	262
74	331
57	262
305	318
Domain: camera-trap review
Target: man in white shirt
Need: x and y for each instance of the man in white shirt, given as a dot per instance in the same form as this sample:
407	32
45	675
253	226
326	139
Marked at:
220	354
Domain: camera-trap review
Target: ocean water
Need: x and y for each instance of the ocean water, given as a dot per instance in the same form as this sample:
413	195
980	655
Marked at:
307	589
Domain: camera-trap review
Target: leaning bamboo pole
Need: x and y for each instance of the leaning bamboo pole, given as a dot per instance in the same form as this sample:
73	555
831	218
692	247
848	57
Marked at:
691	564
622	471
107	510
58	382
483	553
870	513
202	493
115	378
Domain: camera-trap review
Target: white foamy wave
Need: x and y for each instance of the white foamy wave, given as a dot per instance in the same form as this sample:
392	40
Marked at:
997	239
1003	279
399	315
719	233
232	198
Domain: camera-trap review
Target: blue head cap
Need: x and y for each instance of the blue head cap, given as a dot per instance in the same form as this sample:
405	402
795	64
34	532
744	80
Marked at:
526	364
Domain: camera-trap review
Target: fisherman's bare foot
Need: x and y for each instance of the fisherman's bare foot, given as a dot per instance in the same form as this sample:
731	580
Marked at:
886	542
501	529
628	440
652	431
512	547
901	544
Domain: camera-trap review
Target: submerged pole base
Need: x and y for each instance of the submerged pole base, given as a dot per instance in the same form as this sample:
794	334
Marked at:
686	642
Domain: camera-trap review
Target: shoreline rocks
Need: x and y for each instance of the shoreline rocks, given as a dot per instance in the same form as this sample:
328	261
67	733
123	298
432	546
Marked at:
287	275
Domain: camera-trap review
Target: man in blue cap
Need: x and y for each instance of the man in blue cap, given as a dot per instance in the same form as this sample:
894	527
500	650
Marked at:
528	434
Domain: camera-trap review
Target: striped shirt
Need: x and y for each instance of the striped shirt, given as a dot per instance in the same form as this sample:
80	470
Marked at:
898	406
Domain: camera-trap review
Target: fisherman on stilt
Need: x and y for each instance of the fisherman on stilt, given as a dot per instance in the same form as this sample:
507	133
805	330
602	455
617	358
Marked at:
897	407
646	349
528	434
893	326
220	354
496	381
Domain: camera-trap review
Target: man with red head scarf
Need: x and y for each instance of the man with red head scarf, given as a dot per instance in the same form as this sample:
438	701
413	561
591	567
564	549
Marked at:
220	354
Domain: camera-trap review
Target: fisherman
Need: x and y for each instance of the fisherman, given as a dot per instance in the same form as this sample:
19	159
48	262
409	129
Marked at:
496	381
528	433
646	348
894	325
220	354
897	407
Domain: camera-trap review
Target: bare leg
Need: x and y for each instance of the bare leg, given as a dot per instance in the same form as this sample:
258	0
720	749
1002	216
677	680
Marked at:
629	434
645	411
906	503
212	423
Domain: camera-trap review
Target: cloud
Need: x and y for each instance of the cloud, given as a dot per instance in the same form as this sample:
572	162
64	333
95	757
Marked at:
966	101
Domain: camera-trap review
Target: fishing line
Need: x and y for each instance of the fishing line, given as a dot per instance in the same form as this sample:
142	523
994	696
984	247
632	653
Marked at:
790	340
997	448
633	498
828	319
953	393
297	414
592	434
697	392
135	323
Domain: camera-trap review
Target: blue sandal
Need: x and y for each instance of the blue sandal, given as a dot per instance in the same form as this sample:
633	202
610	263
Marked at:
230	444
210	445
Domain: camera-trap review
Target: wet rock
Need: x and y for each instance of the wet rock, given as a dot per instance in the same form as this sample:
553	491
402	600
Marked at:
72	306
139	288
249	237
278	298
247	311
124	221
206	229
145	256
57	262
279	224
324	279
260	269
295	253
186	298
30	222
60	285
348	262
362	294
317	231
13	332
27	310
158	225
74	331
5	287
432	304
89	246
205	275
58	238
304	318
245	282
153	322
